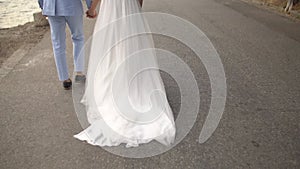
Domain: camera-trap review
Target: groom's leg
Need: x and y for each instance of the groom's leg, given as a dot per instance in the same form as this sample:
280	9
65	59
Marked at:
76	26
58	36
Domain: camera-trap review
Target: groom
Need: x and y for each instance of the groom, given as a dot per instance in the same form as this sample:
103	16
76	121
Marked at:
61	13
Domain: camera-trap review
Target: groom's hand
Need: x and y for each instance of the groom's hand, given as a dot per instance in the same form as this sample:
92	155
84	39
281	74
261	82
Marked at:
91	13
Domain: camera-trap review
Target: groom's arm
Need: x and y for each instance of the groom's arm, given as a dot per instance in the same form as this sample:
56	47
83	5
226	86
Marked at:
88	3
41	3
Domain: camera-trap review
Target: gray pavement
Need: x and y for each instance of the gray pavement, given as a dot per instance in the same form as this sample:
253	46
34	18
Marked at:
260	127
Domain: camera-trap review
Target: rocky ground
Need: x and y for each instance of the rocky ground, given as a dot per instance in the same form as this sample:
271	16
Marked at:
12	39
279	3
278	6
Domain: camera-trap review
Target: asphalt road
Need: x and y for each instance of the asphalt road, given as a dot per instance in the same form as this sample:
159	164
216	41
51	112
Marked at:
260	51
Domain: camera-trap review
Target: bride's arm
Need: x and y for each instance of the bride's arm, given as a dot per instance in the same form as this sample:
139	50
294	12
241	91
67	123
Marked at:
94	4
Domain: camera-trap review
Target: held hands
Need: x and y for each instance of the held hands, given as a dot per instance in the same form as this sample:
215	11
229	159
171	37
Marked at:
91	13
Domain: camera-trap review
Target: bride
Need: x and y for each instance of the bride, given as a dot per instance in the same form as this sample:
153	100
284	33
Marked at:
124	97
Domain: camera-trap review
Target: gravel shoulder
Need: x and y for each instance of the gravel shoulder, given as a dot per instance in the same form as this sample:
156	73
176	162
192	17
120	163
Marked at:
278	7
11	39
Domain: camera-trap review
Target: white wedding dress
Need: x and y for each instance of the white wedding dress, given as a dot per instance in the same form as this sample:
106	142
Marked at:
124	97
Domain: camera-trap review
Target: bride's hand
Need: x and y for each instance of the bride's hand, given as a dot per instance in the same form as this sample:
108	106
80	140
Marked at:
91	13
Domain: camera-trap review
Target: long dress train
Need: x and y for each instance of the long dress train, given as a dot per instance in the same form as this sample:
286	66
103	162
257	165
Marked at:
124	97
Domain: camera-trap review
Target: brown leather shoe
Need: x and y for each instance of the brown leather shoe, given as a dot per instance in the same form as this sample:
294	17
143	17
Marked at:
67	84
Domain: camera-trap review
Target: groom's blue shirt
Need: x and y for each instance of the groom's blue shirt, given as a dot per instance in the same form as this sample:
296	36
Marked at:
62	7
